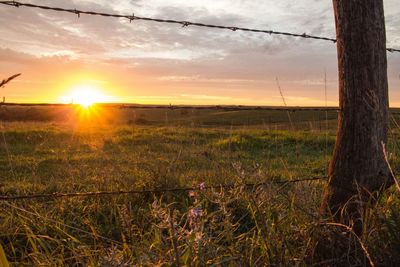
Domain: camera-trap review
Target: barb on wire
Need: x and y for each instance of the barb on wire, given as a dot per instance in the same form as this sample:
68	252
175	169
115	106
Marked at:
155	191
391	50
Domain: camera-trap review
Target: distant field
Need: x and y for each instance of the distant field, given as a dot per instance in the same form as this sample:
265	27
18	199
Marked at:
197	116
122	114
71	150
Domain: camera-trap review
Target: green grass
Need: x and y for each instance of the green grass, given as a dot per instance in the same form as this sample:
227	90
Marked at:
271	225
59	158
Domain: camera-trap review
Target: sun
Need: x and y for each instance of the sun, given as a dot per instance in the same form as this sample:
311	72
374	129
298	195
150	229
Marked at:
85	95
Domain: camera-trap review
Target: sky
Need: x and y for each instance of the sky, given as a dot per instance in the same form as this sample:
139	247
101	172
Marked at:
152	63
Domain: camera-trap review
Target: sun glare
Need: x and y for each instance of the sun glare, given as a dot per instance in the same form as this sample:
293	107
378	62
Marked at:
85	96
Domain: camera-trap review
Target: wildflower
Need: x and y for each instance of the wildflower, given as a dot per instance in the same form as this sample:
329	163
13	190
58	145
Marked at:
198	236
202	186
196	213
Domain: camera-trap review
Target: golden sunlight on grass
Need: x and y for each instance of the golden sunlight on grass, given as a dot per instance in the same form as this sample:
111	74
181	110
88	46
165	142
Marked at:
84	95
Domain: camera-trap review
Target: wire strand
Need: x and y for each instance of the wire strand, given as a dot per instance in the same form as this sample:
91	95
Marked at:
183	23
156	190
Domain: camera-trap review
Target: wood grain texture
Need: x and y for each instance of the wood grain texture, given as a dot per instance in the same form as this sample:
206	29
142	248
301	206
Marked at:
358	165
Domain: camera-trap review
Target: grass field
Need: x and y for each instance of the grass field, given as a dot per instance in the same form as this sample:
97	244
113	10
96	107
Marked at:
69	150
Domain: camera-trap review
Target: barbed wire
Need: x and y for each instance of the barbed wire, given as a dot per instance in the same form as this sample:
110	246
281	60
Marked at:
183	23
155	190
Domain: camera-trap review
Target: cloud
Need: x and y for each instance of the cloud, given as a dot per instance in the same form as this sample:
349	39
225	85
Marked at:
171	59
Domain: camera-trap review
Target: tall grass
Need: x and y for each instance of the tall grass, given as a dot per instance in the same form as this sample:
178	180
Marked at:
266	225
